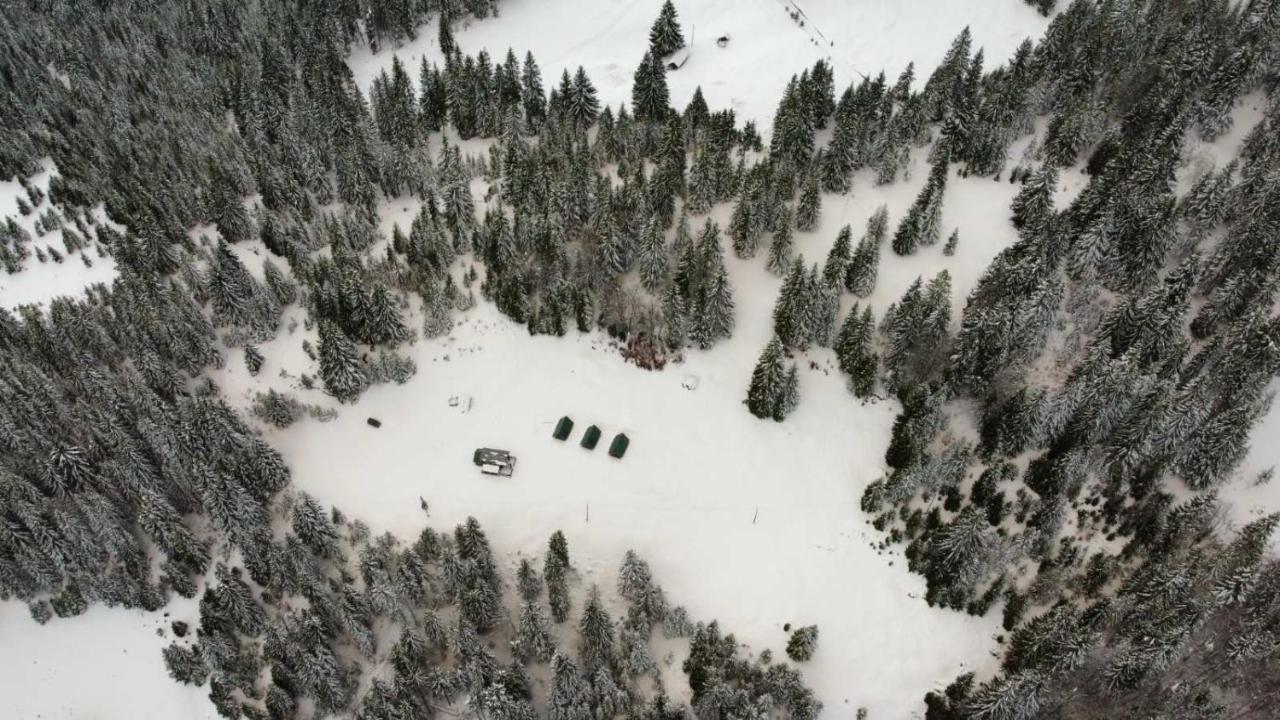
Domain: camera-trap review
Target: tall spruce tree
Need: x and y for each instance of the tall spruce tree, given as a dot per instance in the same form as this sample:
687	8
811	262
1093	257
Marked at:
665	37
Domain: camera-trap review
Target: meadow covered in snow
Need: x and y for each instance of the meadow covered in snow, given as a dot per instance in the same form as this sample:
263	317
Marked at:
754	523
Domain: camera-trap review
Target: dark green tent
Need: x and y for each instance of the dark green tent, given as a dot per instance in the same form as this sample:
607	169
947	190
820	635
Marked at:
618	447
591	437
563	428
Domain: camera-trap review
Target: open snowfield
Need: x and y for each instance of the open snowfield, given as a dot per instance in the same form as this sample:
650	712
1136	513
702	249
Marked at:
699	467
747	521
39	282
609	38
102	665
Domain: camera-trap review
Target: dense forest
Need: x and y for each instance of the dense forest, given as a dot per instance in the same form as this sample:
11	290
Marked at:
1113	360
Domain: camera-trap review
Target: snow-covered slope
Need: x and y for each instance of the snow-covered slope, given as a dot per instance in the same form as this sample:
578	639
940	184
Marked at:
748	521
766	47
39	282
699	468
102	665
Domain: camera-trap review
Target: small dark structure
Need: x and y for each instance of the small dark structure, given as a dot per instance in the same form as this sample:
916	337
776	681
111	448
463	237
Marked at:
590	438
722	40
619	446
374	422
563	429
678	59
494	462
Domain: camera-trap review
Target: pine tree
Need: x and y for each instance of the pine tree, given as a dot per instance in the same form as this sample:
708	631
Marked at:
653	257
768	393
528	582
649	97
921	224
790	313
340	366
252	359
230	216
809	207
555	573
781	248
665	37
950	248
714	318
856	353
532	94
534	640
581	103
802	643
569	697
1033	207
596	635
864	267
836	269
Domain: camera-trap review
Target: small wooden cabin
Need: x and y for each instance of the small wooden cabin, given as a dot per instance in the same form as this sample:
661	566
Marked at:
564	428
619	446
591	437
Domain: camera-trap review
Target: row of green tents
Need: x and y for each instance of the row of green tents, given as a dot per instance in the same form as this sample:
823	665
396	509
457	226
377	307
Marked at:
591	437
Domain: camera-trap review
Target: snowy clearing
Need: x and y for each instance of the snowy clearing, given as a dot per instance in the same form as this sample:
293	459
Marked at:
38	281
698	470
103	664
609	37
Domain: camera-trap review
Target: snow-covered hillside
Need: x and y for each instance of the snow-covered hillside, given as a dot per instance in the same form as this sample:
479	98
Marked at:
748	521
41	281
766	47
103	664
699	469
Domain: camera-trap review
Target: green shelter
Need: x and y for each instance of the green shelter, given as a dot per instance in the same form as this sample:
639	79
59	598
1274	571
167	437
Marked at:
591	437
563	428
618	447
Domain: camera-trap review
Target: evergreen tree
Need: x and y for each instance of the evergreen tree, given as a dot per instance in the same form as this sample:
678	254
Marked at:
649	96
949	249
864	266
665	37
809	207
802	643
921	224
855	351
531	92
772	385
581	103
596	635
555	572
534	640
653	257
780	249
836	269
340	366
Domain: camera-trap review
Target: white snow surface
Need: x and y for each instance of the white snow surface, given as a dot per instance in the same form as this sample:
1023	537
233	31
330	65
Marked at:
39	282
609	38
102	665
750	522
699	468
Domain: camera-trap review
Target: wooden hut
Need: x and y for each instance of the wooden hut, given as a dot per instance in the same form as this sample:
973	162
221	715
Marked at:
563	429
619	446
591	437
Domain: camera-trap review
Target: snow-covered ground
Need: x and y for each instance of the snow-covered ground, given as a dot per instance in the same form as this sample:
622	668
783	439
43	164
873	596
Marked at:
766	47
752	522
39	282
103	665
